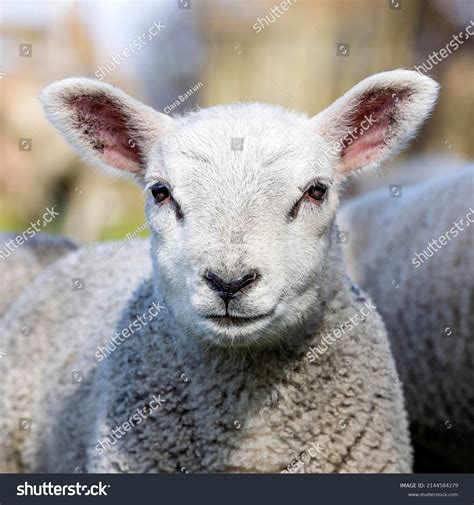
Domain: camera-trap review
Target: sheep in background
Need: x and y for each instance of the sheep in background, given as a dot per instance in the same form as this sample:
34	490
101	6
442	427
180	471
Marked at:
406	172
18	267
413	254
265	357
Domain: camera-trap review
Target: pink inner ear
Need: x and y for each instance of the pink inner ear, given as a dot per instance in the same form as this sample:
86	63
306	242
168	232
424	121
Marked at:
103	123
370	127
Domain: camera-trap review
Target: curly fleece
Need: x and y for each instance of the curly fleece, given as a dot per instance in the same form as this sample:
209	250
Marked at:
243	412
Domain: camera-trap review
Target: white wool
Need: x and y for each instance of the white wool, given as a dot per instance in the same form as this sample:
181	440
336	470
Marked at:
231	212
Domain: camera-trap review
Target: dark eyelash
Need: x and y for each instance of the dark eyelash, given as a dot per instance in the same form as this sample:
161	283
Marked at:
315	181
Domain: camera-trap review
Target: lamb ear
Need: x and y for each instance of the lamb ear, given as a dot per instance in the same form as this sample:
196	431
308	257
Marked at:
106	126
375	118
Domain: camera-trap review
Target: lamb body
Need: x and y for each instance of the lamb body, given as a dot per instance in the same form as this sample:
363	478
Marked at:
238	383
222	412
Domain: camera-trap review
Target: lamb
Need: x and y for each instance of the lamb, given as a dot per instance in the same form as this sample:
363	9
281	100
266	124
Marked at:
242	346
18	267
414	256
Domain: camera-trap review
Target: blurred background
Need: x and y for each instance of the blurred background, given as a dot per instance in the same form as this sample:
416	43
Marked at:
302	55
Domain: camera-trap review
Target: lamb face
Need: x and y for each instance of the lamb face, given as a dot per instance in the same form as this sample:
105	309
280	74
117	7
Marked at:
241	198
240	245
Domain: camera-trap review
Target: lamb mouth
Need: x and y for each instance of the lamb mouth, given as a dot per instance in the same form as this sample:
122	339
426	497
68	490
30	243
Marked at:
230	320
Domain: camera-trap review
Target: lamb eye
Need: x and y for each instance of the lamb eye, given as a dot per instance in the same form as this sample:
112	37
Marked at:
317	191
160	192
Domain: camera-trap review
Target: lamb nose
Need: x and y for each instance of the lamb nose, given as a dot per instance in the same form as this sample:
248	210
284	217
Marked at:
227	289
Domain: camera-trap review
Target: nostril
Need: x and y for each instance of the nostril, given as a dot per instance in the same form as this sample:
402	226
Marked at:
247	279
227	289
214	281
